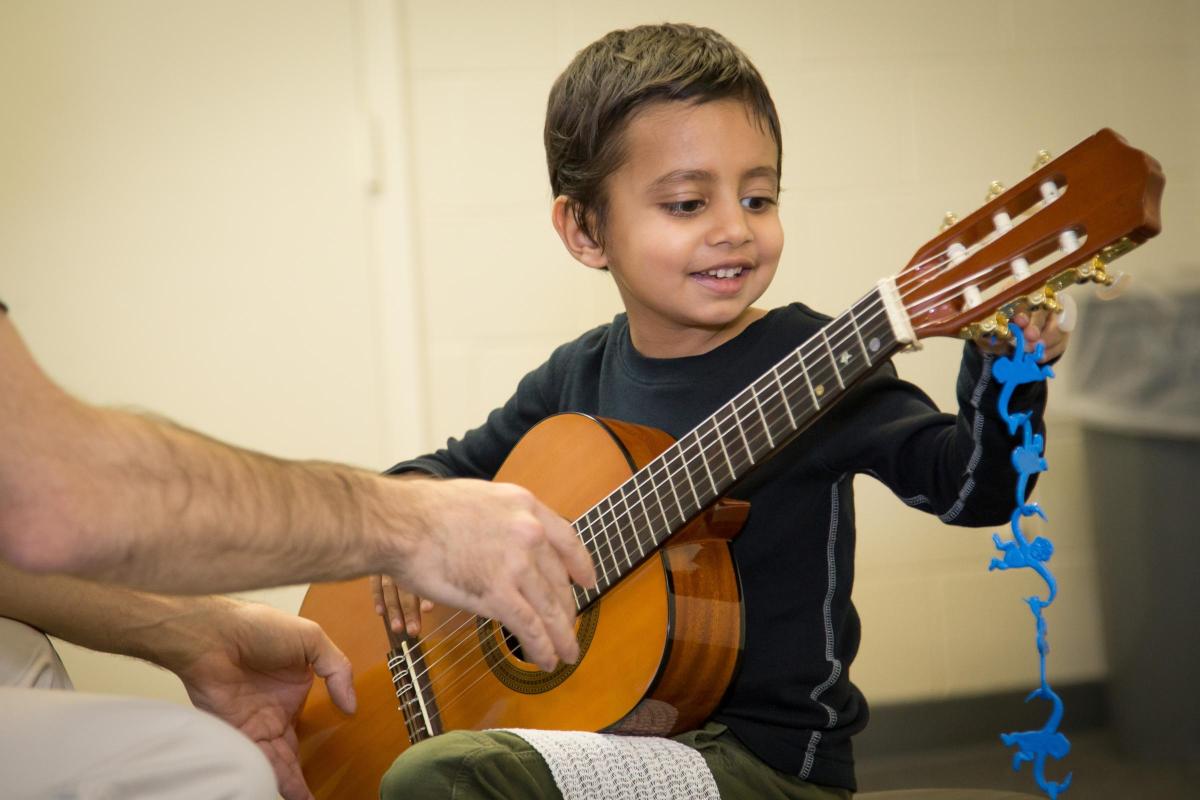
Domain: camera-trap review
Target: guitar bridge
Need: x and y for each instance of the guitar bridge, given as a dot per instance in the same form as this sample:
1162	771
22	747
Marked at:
410	677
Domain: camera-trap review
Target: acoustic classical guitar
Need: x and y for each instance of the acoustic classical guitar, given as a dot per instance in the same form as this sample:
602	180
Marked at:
661	634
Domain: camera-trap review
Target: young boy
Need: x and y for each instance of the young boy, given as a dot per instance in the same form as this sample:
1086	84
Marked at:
664	152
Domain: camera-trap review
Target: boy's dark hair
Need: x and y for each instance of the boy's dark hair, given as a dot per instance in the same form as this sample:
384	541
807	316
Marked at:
609	80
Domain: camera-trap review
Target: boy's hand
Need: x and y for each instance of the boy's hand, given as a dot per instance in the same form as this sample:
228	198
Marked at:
400	609
1040	326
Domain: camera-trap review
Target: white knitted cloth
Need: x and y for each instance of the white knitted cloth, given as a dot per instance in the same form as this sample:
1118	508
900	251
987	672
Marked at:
601	766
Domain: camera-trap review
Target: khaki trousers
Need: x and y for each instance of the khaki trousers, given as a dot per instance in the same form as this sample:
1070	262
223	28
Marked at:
60	744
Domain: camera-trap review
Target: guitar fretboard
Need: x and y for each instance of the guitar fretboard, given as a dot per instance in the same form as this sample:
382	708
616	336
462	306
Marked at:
630	523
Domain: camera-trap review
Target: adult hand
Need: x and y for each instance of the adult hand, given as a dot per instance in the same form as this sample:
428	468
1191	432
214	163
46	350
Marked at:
255	673
1039	326
493	549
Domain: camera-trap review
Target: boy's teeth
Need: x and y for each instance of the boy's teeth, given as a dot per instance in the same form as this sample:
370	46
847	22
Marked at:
724	272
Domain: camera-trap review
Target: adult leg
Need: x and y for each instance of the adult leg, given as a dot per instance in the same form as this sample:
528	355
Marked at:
56	744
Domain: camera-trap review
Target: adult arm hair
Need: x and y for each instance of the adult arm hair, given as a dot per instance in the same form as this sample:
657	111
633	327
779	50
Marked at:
113	496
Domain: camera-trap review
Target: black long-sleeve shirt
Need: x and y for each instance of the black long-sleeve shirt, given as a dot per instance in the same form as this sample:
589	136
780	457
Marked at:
792	702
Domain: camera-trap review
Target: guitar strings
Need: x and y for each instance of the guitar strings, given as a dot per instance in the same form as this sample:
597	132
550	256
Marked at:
679	456
644	513
920	278
466	673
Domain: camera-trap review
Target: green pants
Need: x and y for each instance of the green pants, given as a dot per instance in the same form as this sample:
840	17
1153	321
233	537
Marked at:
465	765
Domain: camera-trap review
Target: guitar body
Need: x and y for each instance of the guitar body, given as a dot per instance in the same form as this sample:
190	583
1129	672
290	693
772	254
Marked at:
657	650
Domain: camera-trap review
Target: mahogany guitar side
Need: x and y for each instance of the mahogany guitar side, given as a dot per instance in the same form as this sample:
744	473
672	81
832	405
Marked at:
658	649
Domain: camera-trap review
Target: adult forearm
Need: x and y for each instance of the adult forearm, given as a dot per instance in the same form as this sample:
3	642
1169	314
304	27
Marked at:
158	507
111	495
109	619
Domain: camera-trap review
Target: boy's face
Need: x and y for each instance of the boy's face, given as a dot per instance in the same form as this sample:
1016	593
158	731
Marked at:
693	235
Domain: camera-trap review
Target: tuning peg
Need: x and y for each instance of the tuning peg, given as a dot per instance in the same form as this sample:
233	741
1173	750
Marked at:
1045	298
1043	158
1069	315
995	189
995	325
948	221
1116	285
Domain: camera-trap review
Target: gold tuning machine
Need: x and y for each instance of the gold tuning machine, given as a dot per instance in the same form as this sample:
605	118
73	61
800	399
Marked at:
1042	159
1097	271
1046	298
995	189
994	325
948	221
1112	284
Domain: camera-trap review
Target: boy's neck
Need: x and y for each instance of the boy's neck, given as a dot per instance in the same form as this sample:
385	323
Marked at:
660	342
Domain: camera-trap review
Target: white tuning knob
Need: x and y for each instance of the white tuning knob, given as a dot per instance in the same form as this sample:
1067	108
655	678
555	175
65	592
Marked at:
1121	282
1069	314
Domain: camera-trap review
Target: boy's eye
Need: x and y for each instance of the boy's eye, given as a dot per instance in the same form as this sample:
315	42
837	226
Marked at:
758	203
684	208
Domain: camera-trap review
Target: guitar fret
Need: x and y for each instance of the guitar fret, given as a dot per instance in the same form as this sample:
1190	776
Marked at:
766	427
737	423
624	545
674	493
596	540
642	499
662	509
639	506
832	358
807	379
704	461
613	525
787	403
724	450
858	335
687	470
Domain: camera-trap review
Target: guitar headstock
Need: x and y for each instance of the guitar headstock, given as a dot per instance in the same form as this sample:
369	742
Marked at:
1059	226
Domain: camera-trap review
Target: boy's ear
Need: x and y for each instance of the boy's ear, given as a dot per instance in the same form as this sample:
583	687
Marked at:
585	249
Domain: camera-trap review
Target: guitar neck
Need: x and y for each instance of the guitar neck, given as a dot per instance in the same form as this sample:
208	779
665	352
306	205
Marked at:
663	496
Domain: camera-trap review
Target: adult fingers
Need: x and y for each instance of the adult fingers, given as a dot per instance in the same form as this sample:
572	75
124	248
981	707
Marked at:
551	599
528	627
565	541
332	665
288	775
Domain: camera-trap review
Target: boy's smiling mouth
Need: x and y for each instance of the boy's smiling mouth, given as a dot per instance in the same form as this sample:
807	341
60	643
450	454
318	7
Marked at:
723	278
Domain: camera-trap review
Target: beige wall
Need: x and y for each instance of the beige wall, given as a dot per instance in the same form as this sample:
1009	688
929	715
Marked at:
191	220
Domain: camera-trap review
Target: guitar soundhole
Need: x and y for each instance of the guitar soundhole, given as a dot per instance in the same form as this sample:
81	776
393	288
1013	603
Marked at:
497	644
512	643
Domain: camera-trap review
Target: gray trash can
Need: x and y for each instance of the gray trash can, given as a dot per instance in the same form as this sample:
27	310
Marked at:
1134	382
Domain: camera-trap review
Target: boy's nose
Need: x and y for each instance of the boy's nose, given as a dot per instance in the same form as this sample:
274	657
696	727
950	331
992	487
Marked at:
730	226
